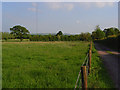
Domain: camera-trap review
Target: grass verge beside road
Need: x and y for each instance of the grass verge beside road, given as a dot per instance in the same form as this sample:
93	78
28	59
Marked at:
98	77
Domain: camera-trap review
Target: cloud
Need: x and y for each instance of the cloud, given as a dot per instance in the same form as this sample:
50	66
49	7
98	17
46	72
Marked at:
77	21
34	4
69	6
100	4
58	5
103	4
32	9
88	5
54	5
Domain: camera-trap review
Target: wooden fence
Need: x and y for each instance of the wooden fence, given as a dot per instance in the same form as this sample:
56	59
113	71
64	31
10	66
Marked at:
85	70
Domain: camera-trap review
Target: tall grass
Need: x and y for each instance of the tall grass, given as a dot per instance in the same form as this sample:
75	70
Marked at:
49	65
42	65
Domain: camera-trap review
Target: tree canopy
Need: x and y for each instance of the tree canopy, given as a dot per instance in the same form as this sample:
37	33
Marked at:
59	33
111	31
85	36
19	31
98	33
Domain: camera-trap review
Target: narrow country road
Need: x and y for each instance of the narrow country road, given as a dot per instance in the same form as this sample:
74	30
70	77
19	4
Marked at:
111	61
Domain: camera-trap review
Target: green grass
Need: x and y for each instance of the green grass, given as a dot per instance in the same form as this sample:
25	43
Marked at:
42	65
49	65
109	52
98	78
113	53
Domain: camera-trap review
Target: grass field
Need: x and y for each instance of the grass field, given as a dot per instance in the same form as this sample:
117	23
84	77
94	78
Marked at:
49	65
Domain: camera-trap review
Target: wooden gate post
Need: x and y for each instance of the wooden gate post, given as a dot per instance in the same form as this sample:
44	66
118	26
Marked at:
84	77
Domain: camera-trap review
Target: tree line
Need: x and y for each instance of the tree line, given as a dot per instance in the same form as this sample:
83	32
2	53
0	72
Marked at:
98	34
19	32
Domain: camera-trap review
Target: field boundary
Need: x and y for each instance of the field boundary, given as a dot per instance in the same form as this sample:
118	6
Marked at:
84	70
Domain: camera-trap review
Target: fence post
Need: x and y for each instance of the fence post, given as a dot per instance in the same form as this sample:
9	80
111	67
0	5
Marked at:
84	77
89	62
91	45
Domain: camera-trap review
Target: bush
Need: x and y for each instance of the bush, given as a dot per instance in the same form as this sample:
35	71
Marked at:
111	42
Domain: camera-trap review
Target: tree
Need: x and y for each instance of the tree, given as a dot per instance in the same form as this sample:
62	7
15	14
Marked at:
19	31
116	31
66	38
0	35
59	33
85	36
11	36
109	31
5	35
98	33
77	37
58	37
94	35
62	38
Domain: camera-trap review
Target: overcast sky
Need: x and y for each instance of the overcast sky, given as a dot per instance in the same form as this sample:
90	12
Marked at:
44	17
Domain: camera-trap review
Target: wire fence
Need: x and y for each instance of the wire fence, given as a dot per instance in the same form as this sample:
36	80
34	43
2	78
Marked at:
87	65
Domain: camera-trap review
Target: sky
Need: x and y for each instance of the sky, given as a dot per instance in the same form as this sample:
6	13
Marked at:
0	16
51	17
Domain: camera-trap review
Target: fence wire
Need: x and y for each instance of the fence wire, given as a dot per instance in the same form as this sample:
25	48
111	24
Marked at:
77	79
84	63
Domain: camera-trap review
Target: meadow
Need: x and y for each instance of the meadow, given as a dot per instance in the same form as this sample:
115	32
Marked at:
49	65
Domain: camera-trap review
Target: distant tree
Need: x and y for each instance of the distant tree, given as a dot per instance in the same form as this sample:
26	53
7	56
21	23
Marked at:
5	35
71	37
85	36
46	37
54	38
19	31
117	31
77	37
40	37
0	35
37	37
65	37
58	37
59	33
11	36
94	35
62	38
110	31
105	31
98	33
51	37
